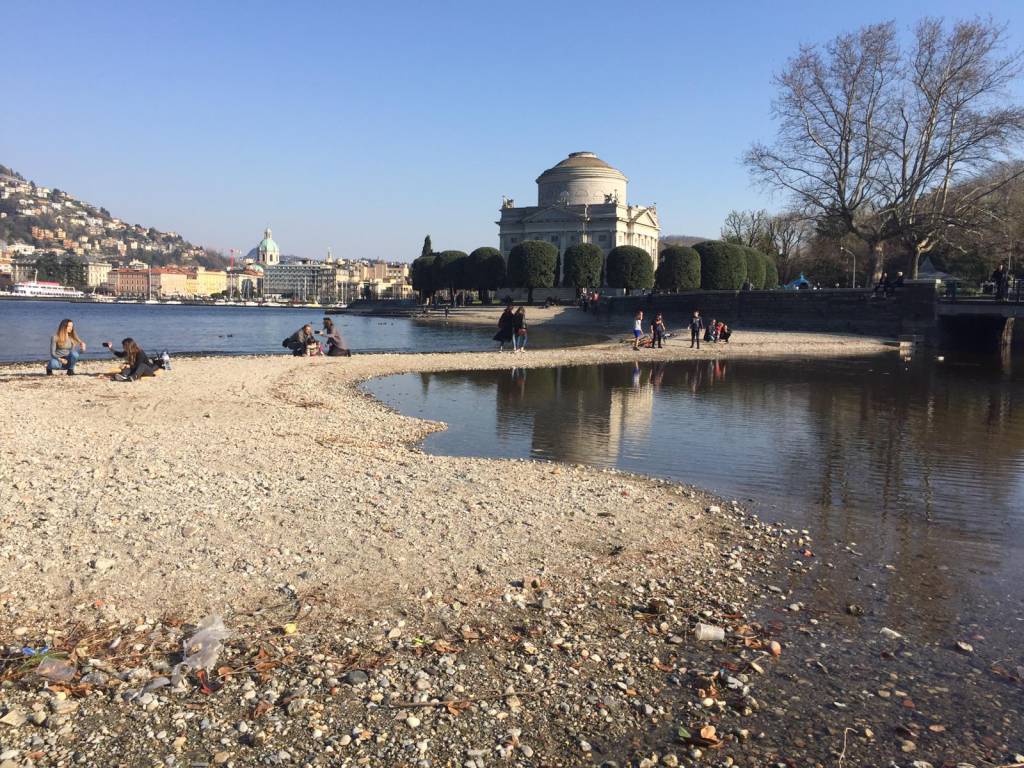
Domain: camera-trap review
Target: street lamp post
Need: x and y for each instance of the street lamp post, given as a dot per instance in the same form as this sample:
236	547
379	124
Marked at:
853	269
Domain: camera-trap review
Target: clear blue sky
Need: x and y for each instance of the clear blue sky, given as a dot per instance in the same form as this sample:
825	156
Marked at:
364	126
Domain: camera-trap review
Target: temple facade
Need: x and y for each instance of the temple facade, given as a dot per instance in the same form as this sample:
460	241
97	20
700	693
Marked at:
580	200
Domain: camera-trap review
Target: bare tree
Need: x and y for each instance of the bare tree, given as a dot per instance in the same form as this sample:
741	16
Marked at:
833	105
953	133
746	227
891	147
786	233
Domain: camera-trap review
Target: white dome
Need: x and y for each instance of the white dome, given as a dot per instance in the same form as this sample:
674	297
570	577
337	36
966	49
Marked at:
582	178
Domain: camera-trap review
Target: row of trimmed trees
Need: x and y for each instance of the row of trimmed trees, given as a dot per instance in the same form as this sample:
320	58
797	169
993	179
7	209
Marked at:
532	264
715	265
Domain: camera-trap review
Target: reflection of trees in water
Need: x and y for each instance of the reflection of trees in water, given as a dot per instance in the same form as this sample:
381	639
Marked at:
872	451
917	464
911	463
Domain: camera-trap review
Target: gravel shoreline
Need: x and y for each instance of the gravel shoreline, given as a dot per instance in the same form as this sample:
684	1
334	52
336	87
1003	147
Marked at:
387	607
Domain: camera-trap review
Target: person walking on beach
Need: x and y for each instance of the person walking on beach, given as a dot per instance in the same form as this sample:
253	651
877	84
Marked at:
137	364
65	349
335	343
638	328
657	331
506	328
519	329
696	329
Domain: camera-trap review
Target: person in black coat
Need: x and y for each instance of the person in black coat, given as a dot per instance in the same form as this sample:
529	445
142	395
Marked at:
506	328
696	329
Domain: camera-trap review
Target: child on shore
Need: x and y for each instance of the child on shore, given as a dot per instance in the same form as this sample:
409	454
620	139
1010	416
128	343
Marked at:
638	329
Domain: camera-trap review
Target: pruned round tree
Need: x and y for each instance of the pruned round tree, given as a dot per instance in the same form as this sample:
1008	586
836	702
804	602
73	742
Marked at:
486	271
531	264
630	268
771	273
582	266
755	266
679	269
422	273
450	270
723	266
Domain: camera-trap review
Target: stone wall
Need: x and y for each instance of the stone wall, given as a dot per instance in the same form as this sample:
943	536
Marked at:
910	311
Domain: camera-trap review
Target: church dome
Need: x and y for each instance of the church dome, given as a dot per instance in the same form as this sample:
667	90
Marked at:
581	178
267	251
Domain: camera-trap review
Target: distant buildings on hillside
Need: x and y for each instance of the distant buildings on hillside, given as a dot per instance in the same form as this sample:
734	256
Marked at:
329	281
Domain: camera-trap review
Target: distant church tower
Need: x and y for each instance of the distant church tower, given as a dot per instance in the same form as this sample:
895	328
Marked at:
267	252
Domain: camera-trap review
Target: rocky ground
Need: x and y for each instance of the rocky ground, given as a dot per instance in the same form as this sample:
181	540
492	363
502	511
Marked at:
387	607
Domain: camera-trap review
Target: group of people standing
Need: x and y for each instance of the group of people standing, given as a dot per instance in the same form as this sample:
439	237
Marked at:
714	331
66	348
512	329
304	342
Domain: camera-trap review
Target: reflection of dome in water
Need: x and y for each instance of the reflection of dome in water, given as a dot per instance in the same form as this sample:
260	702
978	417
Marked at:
267	251
582	178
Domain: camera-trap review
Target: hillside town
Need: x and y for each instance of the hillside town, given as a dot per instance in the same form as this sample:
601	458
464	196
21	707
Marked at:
52	244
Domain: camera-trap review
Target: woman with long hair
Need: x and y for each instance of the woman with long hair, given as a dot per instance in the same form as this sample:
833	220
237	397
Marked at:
65	349
335	343
137	363
519	330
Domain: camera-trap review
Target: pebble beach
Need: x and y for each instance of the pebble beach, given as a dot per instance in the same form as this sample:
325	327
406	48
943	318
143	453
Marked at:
383	606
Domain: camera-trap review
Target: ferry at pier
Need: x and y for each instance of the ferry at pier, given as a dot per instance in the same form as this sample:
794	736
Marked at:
41	289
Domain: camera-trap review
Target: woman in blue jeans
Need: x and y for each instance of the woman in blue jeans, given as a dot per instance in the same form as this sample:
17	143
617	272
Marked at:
65	349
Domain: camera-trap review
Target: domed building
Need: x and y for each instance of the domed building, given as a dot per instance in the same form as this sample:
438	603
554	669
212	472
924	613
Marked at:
267	251
580	200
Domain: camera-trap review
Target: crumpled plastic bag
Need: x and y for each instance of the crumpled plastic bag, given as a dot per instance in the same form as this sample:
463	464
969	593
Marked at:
56	670
202	649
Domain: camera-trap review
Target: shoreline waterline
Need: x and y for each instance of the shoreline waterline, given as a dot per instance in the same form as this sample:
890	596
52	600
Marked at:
233	483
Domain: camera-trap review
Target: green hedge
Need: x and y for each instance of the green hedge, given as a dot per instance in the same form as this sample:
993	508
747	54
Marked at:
485	271
679	269
771	273
531	264
582	266
630	267
450	270
755	266
422	273
723	266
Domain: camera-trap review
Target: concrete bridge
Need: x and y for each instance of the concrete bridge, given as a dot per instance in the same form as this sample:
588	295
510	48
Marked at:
984	321
916	309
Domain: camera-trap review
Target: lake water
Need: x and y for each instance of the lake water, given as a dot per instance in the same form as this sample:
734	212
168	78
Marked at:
916	468
26	328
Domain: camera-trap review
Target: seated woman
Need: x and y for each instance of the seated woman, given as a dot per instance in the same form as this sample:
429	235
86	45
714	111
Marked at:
302	342
335	343
65	349
724	333
711	331
137	363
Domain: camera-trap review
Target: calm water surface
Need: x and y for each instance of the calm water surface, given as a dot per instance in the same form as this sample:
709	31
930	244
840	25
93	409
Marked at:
917	468
26	327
